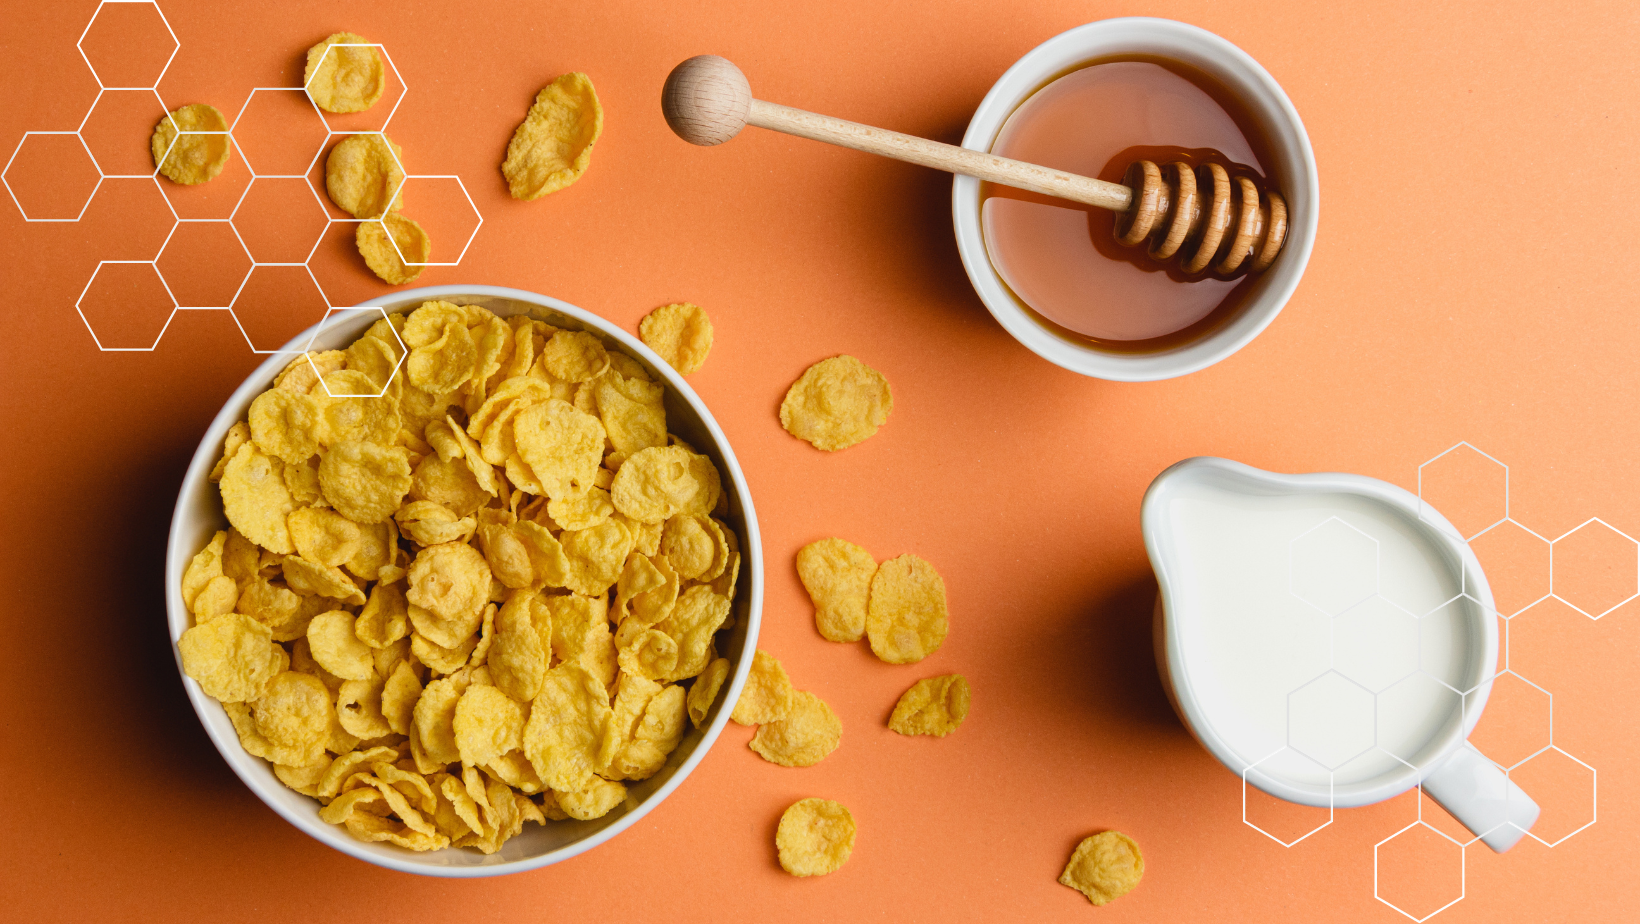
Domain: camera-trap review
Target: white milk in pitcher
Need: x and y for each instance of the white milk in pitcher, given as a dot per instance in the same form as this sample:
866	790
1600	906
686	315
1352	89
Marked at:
1321	633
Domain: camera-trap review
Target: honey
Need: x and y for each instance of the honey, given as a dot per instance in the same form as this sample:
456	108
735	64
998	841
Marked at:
1060	259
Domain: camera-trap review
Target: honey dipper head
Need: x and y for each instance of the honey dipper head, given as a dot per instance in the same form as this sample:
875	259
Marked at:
706	100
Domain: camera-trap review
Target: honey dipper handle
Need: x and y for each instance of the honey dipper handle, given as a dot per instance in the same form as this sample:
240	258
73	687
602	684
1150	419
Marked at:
947	157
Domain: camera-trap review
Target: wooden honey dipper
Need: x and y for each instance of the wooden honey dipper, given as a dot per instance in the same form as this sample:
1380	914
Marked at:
1196	214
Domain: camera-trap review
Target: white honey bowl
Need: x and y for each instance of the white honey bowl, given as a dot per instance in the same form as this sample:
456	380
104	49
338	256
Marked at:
1292	171
199	514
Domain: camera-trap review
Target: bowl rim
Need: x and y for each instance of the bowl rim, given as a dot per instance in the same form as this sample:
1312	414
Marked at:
1229	63
179	552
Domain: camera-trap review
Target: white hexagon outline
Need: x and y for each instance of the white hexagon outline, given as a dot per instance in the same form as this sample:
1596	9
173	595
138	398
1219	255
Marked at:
470	204
206	221
237	323
1253	767
13	193
1463	866
1422	504
163	328
1373	697
1594	795
1491	681
306	184
165	113
1377	556
176	44
316	154
1534	534
1568	533
307	351
1418	661
404	88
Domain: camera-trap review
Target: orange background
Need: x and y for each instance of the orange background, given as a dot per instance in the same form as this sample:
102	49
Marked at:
1471	281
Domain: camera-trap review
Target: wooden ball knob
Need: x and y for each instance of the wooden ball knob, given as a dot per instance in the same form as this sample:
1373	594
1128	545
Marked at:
706	100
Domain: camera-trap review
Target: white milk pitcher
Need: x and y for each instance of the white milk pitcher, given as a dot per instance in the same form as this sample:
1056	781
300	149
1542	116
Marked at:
1327	638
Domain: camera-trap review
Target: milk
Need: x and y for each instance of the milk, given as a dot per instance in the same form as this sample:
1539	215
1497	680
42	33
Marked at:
1249	641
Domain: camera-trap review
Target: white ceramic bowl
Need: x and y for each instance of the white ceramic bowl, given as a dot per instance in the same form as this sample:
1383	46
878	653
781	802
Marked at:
1293	172
199	514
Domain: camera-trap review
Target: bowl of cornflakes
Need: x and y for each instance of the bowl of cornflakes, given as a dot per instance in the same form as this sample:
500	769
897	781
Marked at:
461	580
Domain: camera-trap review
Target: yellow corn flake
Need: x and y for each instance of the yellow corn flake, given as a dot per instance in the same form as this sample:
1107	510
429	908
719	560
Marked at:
596	556
430	523
452	582
364	175
399	696
815	837
450	484
232	658
656	736
649	607
376	357
191	145
359	708
350	408
579	633
272	605
597	799
255	499
395	248
304	780
725	582
336	649
378	549
441	659
804	737
487	724
837	575
696	616
836	403
445	363
580	508
203	567
518	658
385	617
574	356
216	598
767	696
283	425
363	481
302	481
681	334
238	435
567	724
561	445
906	618
705	689
1105	866
553	145
323	537
648	653
660	482
344	73
690	543
935	706
293	716
632	409
514	769
307	578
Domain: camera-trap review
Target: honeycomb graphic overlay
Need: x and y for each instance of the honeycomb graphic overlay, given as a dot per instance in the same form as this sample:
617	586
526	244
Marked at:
245	246
1339	716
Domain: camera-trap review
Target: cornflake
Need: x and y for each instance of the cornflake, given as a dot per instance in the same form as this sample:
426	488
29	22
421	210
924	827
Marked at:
553	145
439	611
815	837
935	706
1105	866
836	403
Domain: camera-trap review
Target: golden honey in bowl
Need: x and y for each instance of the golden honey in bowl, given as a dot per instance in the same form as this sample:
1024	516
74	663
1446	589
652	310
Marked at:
1061	260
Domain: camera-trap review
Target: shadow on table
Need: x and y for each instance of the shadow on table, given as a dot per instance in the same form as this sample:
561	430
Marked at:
152	700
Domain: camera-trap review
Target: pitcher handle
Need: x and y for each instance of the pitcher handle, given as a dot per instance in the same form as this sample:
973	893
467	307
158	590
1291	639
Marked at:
1482	797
